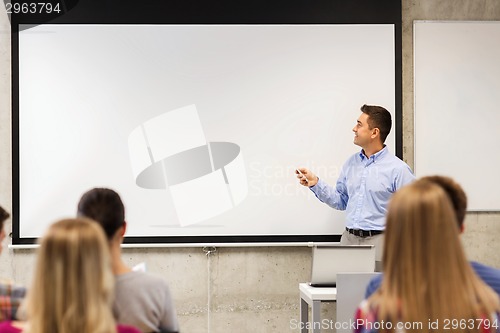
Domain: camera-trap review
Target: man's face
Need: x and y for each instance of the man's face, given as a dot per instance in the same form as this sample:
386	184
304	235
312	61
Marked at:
362	131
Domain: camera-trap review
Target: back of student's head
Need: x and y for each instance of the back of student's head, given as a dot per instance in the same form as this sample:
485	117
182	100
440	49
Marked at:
426	274
104	206
378	117
421	223
455	193
73	282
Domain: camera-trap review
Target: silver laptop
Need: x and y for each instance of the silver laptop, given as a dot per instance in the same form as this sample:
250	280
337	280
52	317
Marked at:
330	260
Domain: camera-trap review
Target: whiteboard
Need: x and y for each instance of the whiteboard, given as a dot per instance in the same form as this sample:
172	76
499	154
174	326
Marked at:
457	83
285	95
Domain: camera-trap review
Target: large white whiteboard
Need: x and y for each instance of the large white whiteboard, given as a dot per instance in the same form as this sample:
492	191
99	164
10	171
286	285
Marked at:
288	95
457	118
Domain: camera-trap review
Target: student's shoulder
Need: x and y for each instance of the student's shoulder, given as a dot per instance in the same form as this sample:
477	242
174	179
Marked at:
489	275
373	285
482	269
127	329
9	288
140	278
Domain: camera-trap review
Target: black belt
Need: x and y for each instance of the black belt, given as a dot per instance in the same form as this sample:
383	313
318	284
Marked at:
364	233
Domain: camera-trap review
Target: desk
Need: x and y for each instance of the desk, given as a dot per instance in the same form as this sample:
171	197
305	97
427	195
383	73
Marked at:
314	296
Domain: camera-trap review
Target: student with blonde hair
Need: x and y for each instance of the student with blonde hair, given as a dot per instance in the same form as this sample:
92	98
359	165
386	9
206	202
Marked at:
72	284
490	275
428	284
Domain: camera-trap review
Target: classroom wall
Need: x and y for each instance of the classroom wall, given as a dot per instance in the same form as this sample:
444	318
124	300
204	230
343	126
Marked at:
253	289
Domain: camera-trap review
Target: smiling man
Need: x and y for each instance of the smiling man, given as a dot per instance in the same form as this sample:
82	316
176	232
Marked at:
366	183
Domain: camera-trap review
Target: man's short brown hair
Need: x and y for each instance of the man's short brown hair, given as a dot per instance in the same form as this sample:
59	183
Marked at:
378	117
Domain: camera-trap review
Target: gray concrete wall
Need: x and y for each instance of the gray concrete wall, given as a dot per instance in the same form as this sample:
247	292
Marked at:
253	289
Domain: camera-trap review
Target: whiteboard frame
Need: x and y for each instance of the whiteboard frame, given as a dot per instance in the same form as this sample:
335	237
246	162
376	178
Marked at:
374	15
476	204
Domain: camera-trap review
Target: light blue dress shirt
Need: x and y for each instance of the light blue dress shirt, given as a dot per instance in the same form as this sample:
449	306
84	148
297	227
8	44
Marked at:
364	188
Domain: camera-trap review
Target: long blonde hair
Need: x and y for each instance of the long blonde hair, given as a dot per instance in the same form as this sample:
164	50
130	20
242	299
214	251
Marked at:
73	283
426	274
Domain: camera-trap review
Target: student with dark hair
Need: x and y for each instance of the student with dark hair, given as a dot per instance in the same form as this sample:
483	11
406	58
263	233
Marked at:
141	300
455	192
11	295
366	183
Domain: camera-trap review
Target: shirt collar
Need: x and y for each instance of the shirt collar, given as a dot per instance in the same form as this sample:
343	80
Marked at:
375	156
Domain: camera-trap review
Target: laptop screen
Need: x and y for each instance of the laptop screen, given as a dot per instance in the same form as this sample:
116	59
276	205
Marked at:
330	260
